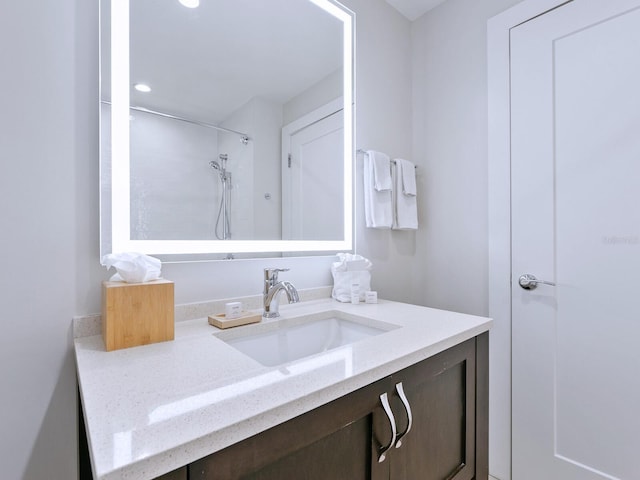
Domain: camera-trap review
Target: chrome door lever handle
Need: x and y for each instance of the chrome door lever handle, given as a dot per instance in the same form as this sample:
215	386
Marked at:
530	282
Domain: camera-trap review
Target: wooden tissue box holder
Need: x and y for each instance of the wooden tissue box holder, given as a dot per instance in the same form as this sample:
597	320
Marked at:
137	313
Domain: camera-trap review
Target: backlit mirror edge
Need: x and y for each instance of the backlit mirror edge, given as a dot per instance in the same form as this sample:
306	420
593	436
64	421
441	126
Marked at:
120	193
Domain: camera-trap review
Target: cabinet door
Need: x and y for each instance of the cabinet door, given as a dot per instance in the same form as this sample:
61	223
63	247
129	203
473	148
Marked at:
441	392
179	474
337	441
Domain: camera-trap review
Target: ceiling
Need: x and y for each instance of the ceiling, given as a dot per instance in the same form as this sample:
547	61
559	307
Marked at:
413	9
205	63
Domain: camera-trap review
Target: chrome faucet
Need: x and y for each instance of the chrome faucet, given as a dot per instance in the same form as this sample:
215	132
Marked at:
272	288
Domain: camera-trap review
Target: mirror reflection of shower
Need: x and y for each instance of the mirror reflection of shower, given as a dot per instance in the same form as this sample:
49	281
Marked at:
222	227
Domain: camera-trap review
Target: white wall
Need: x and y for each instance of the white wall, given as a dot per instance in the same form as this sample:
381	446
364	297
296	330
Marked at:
174	191
255	170
450	137
322	92
240	163
267	128
49	212
48	138
383	115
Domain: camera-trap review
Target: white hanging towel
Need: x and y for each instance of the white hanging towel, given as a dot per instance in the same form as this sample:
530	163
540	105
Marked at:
378	204
405	205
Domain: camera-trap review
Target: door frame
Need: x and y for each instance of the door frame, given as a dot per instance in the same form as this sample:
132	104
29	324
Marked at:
499	183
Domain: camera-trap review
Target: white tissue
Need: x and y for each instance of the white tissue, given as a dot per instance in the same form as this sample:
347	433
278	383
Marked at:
133	267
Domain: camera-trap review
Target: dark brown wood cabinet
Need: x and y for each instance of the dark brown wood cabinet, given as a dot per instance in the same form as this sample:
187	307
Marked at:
447	396
447	411
330	442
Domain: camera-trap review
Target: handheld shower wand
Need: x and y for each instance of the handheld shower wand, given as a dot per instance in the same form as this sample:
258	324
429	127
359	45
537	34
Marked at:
224	212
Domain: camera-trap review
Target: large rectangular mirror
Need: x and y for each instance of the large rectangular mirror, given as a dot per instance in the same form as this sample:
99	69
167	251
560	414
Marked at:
226	126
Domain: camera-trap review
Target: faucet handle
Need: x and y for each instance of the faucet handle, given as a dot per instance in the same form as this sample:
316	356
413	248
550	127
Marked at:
271	274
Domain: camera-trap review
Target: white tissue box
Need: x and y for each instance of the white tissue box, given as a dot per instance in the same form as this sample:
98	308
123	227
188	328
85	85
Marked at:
137	313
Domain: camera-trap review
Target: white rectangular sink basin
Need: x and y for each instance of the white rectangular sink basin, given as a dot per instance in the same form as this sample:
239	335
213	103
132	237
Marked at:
287	340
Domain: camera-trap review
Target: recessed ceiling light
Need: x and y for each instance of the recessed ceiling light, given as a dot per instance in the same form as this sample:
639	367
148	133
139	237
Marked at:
190	3
141	87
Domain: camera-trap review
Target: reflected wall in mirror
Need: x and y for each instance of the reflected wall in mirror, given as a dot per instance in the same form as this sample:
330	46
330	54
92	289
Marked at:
226	128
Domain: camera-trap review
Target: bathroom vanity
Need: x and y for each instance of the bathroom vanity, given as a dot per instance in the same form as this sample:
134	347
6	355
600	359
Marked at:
406	399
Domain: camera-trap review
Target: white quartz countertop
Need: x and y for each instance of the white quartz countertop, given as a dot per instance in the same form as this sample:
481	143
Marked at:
149	410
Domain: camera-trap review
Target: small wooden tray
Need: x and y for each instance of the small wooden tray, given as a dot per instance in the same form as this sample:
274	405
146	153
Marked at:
221	321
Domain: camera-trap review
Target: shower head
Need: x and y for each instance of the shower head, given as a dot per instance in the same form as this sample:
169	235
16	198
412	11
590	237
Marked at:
214	164
223	157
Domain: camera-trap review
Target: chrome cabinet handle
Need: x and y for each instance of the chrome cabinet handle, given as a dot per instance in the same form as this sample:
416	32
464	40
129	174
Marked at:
407	407
392	422
530	282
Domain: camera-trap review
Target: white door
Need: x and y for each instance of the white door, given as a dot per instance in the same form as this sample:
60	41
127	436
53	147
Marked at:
313	182
575	79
